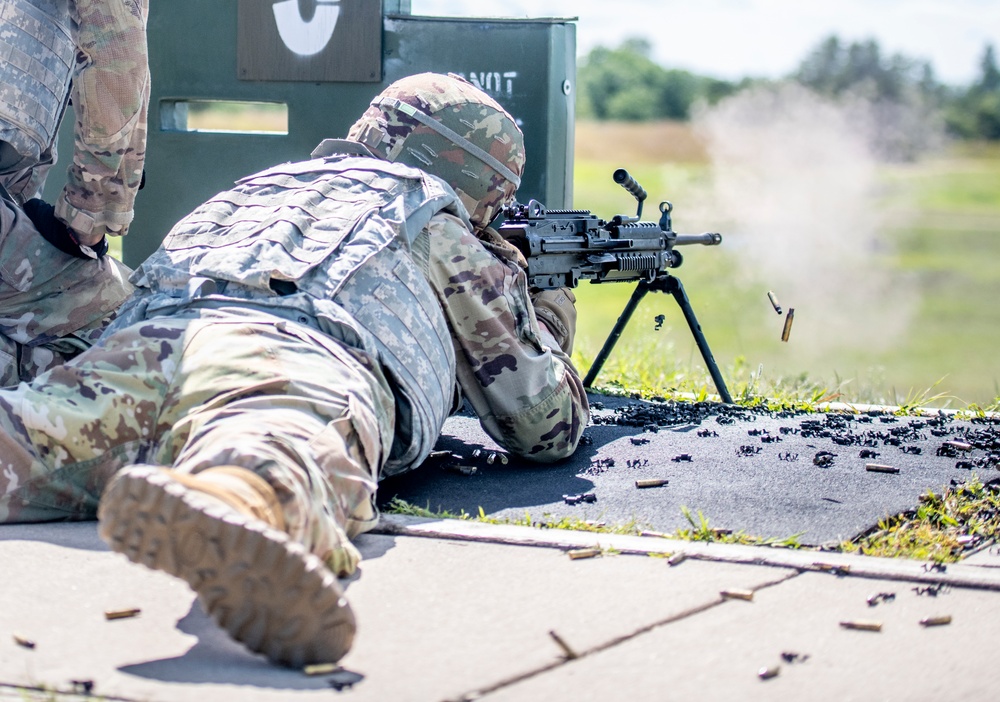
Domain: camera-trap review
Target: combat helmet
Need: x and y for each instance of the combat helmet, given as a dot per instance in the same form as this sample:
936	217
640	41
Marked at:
444	125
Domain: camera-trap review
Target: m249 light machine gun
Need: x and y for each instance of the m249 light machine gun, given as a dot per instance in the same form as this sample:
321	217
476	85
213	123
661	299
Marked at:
563	247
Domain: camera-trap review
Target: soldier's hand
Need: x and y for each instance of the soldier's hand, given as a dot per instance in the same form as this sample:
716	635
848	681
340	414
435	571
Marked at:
556	309
55	231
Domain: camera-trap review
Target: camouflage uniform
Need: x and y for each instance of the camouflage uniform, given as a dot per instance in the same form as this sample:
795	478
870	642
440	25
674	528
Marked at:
266	334
52	304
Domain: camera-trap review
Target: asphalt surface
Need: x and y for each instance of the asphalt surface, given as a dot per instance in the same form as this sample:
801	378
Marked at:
460	610
453	610
768	474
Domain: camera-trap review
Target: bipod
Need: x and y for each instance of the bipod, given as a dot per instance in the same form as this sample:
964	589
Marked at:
668	284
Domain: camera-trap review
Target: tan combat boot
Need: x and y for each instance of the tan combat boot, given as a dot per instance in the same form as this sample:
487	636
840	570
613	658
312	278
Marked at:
221	530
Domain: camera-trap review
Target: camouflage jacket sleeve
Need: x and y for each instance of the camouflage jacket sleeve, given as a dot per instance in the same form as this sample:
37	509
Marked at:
110	99
527	393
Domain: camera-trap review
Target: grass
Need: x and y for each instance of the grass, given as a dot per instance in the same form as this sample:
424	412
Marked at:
941	529
946	248
629	528
699	529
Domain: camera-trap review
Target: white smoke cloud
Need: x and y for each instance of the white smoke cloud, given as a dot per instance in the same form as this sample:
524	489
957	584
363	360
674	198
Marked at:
796	186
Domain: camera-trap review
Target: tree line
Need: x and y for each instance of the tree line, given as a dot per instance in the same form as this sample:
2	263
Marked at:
625	83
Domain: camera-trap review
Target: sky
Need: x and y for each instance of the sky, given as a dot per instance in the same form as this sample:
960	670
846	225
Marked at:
732	39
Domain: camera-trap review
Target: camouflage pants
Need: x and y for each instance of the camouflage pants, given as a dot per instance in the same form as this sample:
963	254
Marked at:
52	305
270	396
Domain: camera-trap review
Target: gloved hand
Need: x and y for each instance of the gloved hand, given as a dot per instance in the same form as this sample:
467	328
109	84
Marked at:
556	309
54	231
500	247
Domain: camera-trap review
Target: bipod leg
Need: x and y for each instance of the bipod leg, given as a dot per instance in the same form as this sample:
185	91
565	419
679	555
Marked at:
640	292
673	285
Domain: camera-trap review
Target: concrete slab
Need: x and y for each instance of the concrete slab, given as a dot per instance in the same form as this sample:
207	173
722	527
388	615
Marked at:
836	564
443	618
437	618
716	654
988	557
749	471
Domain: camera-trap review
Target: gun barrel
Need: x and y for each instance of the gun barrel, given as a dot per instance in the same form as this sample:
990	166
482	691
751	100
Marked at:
706	239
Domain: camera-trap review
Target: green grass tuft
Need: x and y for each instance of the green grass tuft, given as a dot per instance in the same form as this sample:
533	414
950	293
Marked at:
941	529
547	521
700	529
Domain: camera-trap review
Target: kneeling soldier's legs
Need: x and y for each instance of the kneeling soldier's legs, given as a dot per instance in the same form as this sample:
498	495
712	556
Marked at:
52	305
64	435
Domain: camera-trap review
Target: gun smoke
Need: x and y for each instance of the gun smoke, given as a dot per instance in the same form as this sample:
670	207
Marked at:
796	187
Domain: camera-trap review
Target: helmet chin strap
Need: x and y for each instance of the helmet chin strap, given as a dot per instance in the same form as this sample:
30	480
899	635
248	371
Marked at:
449	134
468	201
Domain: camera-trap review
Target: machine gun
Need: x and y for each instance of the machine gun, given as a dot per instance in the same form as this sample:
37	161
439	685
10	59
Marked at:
563	247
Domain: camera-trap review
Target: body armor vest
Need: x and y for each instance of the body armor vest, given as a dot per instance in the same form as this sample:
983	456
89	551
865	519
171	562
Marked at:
35	74
332	235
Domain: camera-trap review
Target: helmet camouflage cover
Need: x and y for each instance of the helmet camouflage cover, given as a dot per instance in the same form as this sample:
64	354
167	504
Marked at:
444	125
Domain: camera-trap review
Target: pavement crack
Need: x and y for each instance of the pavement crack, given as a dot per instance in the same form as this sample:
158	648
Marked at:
616	641
55	694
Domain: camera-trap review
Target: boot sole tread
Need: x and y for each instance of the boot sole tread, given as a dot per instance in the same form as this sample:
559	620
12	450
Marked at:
265	590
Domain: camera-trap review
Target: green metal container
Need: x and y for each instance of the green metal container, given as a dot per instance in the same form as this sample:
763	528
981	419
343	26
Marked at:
213	51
